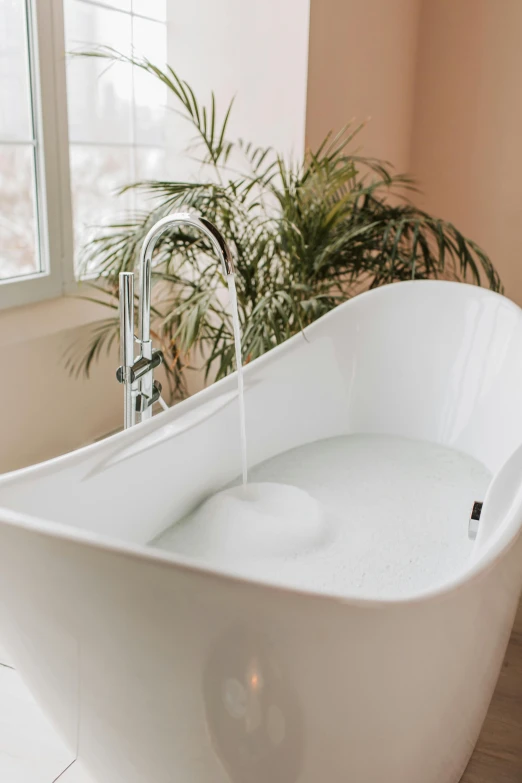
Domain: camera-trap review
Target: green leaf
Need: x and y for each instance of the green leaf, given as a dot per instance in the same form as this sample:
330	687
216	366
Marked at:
306	235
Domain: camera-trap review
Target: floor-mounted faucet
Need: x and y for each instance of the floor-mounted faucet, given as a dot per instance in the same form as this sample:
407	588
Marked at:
137	375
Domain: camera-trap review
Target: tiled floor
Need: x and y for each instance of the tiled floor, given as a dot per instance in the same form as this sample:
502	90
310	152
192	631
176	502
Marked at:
30	751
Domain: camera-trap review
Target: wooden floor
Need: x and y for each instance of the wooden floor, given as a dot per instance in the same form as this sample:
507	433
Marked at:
498	756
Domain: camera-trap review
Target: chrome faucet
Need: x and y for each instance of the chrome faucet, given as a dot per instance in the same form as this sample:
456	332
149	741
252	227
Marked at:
137	375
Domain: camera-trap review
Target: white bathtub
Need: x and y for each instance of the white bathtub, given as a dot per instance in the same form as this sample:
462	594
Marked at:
129	649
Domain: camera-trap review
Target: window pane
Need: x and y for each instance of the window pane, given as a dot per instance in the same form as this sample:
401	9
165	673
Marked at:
150	95
149	164
97	173
156	9
15	96
115	110
99	92
18	225
122	5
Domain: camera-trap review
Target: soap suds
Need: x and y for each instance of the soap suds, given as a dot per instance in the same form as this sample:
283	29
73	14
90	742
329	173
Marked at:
252	523
365	515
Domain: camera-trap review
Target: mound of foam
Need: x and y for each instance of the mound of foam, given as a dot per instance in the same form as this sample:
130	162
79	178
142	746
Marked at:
240	524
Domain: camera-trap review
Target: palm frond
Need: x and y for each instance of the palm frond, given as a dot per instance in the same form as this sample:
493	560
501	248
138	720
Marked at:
306	237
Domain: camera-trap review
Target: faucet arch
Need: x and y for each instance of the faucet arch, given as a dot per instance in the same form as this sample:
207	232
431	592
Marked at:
141	390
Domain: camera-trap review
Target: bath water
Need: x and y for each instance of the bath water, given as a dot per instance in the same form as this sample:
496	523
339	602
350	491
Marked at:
239	366
364	515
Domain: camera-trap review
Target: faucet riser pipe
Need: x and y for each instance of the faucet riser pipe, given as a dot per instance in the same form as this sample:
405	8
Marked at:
127	344
145	384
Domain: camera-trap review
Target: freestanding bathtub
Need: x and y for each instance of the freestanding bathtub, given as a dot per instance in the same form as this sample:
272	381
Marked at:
134	652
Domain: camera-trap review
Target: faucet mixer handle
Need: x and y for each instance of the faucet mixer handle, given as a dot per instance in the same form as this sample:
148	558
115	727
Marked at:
143	403
140	367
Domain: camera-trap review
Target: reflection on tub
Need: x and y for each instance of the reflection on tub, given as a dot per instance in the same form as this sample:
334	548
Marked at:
253	714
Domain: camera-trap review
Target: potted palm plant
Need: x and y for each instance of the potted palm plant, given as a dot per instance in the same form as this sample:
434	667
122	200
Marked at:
306	237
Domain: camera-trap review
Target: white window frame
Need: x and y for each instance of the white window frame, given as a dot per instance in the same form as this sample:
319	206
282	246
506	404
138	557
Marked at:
47	53
49	106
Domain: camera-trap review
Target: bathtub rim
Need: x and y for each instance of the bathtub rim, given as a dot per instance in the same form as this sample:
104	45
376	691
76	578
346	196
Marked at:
507	535
175	412
57	530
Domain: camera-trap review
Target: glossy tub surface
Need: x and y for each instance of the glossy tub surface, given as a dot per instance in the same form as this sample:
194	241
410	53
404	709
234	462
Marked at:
155	668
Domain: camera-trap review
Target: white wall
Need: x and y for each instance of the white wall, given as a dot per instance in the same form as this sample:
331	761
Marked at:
255	51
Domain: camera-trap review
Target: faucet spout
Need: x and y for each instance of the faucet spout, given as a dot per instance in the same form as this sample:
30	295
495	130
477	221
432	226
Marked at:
217	240
141	390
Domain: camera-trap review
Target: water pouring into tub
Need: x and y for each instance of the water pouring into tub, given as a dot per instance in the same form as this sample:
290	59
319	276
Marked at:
370	514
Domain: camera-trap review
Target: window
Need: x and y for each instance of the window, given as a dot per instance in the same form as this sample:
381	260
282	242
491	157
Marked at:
73	131
116	111
19	243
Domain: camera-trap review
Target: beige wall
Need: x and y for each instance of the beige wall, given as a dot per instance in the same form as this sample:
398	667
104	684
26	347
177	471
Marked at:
441	81
44	411
361	65
467	130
